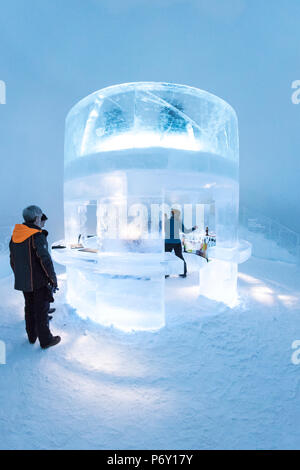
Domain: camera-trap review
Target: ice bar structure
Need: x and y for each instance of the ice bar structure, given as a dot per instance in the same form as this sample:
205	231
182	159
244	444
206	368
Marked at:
133	152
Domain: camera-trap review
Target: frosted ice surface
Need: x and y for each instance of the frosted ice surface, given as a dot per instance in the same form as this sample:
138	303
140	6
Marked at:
133	153
143	115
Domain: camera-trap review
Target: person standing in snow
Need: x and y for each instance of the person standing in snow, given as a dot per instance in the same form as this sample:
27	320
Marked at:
34	274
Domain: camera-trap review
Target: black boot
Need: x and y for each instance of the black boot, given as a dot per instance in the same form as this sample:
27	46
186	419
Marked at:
55	340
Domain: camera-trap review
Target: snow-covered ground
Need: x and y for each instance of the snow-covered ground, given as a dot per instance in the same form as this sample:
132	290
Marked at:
213	378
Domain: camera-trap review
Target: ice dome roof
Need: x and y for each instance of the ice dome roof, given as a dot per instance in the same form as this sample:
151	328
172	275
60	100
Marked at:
151	114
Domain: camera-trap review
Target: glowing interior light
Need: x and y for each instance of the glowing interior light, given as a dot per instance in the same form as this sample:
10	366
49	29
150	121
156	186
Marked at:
142	139
289	300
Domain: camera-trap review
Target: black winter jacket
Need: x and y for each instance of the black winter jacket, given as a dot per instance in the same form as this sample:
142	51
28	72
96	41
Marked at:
29	258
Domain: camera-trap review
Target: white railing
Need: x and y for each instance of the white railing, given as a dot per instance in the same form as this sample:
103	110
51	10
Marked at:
269	238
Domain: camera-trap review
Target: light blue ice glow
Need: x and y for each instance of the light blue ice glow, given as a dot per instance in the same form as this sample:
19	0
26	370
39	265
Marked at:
129	149
146	114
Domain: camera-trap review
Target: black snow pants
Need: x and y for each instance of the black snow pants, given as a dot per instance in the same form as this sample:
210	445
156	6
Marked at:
178	252
36	316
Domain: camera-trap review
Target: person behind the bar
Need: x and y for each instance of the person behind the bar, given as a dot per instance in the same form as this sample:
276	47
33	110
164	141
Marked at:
173	226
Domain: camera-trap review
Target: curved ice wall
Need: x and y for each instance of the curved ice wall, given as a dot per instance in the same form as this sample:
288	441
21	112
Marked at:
132	151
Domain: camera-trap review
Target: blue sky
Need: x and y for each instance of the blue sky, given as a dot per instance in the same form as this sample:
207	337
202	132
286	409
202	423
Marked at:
53	53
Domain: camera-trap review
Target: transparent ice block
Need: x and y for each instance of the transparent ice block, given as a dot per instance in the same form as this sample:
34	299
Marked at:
132	153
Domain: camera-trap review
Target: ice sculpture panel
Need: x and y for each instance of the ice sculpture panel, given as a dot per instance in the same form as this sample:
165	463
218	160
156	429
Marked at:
134	152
